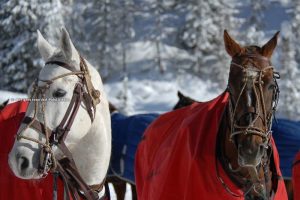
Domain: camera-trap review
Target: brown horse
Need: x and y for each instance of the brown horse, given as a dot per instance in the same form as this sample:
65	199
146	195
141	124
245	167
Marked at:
244	147
184	100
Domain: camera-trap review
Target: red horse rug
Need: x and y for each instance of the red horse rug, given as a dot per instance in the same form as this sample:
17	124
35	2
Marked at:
11	187
296	177
177	158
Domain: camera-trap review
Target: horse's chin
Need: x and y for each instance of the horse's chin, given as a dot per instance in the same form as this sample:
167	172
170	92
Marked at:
29	174
249	161
248	158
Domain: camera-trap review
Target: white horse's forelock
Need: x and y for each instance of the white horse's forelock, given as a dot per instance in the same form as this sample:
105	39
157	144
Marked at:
89	142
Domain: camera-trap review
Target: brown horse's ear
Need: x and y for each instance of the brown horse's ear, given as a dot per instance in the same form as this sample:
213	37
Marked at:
231	46
180	95
268	48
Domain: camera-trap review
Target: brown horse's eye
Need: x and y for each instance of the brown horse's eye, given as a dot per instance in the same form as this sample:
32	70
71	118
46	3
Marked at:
271	87
59	93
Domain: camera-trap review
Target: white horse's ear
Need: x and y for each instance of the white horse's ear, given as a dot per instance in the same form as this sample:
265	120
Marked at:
46	50
68	47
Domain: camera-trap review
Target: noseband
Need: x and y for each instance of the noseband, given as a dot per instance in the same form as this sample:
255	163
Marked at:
83	92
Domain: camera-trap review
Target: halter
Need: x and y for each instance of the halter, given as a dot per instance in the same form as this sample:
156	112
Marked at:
265	133
65	167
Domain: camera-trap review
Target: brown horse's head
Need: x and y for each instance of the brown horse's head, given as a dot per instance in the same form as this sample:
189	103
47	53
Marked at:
253	97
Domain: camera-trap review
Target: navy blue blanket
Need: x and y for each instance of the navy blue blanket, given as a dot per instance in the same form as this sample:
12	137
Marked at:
286	134
127	132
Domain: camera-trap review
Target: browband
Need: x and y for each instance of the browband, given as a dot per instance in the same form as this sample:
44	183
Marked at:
62	64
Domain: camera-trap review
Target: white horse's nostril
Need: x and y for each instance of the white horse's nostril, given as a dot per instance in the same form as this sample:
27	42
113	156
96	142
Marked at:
23	163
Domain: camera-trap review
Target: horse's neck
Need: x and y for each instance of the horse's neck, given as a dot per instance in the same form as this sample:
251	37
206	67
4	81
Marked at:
92	153
228	155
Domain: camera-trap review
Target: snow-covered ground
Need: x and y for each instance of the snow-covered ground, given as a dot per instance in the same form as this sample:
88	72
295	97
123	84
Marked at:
158	92
11	96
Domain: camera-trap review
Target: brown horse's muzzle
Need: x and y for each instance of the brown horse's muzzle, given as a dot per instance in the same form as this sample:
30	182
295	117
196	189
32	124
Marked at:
250	151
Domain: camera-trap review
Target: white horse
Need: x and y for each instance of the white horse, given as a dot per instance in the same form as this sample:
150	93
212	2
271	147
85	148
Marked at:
89	136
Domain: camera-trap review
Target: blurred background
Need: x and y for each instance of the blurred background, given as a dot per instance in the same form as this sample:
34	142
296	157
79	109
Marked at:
146	50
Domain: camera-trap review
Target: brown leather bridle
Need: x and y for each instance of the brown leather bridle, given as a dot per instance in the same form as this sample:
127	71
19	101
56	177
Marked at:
267	118
257	83
85	92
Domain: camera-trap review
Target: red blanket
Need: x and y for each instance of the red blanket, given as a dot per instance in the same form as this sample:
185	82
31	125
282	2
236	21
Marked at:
11	187
296	177
176	160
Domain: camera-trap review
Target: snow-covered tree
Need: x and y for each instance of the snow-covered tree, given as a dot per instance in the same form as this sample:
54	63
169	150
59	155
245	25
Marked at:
101	30
295	24
126	33
19	58
253	25
289	104
156	21
203	36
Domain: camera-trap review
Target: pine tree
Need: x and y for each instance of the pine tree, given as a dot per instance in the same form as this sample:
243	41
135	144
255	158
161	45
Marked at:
126	34
203	36
289	104
157	20
19	21
101	29
295	22
255	23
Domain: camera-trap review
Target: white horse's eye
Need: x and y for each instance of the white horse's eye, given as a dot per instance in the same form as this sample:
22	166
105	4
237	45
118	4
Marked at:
59	93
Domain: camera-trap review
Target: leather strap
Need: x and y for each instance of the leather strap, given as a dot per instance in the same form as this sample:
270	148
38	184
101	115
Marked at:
75	182
63	64
36	125
93	93
64	127
89	105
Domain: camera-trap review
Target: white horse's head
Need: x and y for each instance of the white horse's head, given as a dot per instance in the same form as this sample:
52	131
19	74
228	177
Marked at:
58	81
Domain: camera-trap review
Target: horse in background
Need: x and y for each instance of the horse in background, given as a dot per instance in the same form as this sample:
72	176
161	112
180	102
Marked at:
127	131
68	131
121	126
4	104
221	149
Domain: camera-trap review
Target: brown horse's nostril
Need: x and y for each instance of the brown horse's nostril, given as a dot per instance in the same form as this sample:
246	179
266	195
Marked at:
24	163
261	149
246	119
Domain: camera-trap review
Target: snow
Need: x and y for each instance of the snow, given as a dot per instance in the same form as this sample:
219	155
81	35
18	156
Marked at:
128	195
187	45
146	50
157	93
11	96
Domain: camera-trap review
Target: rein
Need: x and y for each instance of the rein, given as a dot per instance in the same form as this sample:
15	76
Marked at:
254	76
65	167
